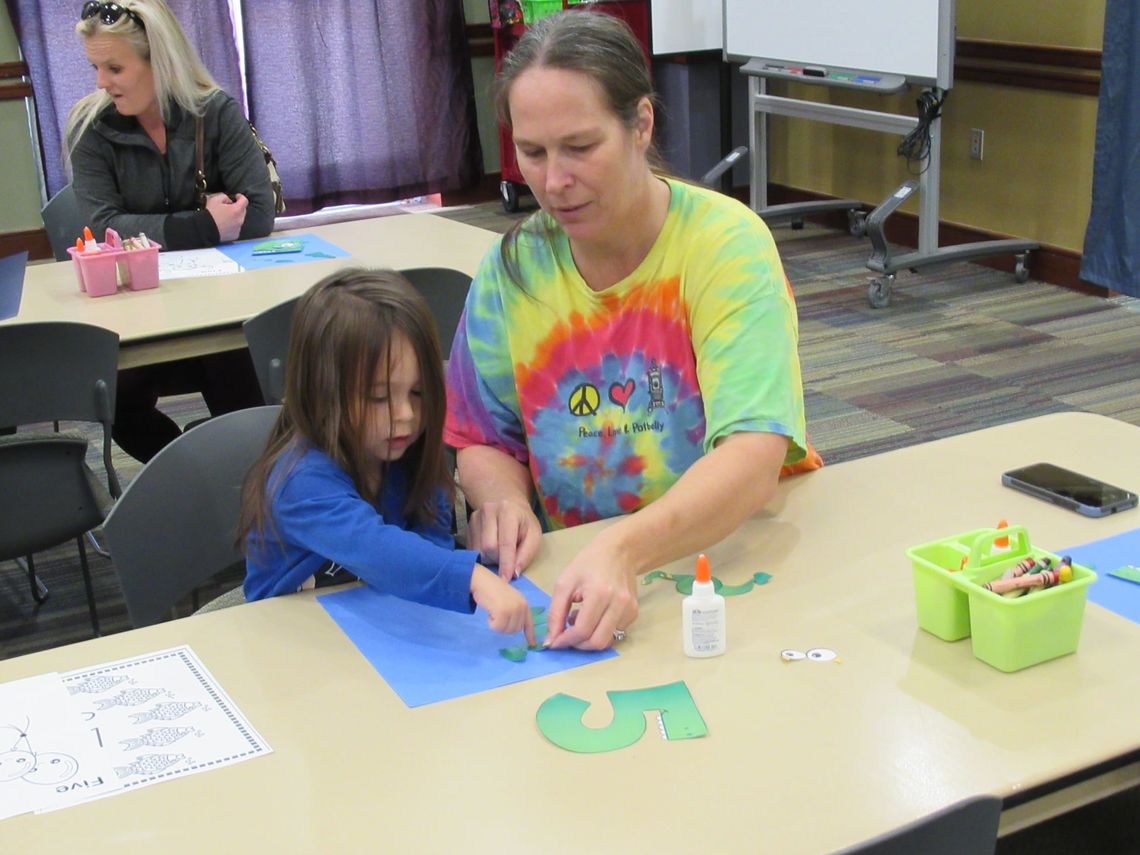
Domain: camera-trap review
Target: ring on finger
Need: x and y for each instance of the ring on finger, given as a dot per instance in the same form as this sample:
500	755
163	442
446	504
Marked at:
619	635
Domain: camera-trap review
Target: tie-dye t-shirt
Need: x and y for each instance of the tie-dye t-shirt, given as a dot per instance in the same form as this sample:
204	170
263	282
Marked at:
610	396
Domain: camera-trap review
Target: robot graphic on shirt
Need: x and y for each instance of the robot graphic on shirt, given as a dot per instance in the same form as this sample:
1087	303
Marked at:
656	389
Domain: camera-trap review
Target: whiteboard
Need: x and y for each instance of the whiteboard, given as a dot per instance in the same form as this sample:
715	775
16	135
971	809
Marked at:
681	26
913	38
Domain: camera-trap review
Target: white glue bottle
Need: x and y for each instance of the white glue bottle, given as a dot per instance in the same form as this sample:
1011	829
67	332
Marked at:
703	616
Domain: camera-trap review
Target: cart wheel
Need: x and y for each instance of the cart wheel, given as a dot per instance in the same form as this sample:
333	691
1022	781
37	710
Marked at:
857	223
879	292
1021	267
510	195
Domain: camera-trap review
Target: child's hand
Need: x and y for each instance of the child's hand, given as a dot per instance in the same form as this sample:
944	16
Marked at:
507	609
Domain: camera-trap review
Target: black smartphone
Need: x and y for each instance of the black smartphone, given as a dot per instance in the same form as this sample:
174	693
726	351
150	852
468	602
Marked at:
1069	489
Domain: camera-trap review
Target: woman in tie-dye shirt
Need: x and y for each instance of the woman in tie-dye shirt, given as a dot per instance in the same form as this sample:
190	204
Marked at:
631	347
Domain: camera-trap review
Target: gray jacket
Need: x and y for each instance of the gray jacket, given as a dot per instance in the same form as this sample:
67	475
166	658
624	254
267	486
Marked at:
122	181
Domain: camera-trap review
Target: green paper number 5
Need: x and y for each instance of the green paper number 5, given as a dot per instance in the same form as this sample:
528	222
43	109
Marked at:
560	718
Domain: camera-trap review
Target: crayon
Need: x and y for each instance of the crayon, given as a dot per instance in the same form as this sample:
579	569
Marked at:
1020	568
1047	579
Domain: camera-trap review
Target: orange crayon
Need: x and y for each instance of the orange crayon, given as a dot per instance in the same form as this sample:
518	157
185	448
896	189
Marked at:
1046	579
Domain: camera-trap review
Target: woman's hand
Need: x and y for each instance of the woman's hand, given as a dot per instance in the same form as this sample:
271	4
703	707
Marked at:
228	214
605	590
506	532
507	609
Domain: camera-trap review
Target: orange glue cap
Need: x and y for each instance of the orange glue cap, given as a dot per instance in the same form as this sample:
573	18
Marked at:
1002	542
704	573
87	235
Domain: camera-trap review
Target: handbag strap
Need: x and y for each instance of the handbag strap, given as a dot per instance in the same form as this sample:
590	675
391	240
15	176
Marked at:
199	156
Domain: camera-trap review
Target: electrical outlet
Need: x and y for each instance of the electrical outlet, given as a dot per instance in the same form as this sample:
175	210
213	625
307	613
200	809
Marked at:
977	139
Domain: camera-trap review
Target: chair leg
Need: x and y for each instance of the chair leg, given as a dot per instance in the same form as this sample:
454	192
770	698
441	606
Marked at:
87	584
96	545
40	592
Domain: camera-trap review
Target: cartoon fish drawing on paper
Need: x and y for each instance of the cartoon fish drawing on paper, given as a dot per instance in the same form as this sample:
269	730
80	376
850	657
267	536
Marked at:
149	764
167	711
129	698
95	685
156	737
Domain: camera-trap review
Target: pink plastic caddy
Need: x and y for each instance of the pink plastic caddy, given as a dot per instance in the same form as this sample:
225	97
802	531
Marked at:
100	273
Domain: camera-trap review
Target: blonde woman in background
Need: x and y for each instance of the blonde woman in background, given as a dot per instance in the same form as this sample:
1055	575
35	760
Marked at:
131	149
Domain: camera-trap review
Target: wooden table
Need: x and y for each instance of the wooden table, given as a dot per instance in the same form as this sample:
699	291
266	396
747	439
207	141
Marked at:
191	317
801	757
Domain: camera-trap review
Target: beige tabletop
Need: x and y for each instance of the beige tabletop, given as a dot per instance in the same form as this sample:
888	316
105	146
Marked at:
189	317
801	757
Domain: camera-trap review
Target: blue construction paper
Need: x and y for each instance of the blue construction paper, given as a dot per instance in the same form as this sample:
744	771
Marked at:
1116	595
316	249
12	284
428	654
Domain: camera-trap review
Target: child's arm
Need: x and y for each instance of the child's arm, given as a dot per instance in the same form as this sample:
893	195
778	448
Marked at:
318	511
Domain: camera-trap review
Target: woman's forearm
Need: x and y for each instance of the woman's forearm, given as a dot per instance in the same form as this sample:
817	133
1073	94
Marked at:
706	504
488	475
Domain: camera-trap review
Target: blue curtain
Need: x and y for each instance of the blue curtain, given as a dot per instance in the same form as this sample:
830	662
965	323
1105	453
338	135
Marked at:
362	100
1112	240
61	74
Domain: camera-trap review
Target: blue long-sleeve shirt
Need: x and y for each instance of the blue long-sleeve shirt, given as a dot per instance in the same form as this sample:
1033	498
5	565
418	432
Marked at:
317	516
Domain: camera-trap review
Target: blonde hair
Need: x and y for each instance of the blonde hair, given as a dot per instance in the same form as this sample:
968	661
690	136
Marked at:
179	75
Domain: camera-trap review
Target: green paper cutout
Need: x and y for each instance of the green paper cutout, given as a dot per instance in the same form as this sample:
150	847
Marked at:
518	654
560	718
1127	573
684	583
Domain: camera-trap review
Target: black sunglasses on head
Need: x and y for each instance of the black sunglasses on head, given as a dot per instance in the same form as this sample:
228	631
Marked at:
108	13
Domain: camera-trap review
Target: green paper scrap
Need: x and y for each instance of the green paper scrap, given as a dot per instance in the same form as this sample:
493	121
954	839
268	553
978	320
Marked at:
319	254
518	654
684	583
560	718
1127	573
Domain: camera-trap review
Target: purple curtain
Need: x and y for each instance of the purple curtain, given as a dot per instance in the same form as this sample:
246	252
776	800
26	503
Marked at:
362	100
61	74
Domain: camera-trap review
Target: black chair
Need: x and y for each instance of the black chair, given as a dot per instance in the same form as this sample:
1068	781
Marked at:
267	335
64	222
446	293
52	372
174	526
969	827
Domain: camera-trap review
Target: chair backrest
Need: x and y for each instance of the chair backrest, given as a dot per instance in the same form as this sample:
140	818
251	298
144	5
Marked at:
446	292
970	826
46	496
175	524
64	222
60	371
267	335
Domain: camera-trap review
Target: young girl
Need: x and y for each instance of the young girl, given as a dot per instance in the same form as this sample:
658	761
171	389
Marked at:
353	482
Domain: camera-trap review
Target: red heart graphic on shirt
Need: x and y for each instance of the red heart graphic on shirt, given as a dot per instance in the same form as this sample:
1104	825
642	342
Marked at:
621	393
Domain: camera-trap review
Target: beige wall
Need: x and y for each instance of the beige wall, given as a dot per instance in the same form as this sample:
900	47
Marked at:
19	186
1035	179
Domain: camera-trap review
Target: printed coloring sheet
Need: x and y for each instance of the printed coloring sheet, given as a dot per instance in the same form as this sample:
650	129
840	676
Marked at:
46	752
143	720
188	263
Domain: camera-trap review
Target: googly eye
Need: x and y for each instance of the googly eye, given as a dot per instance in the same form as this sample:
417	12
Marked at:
821	654
791	655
